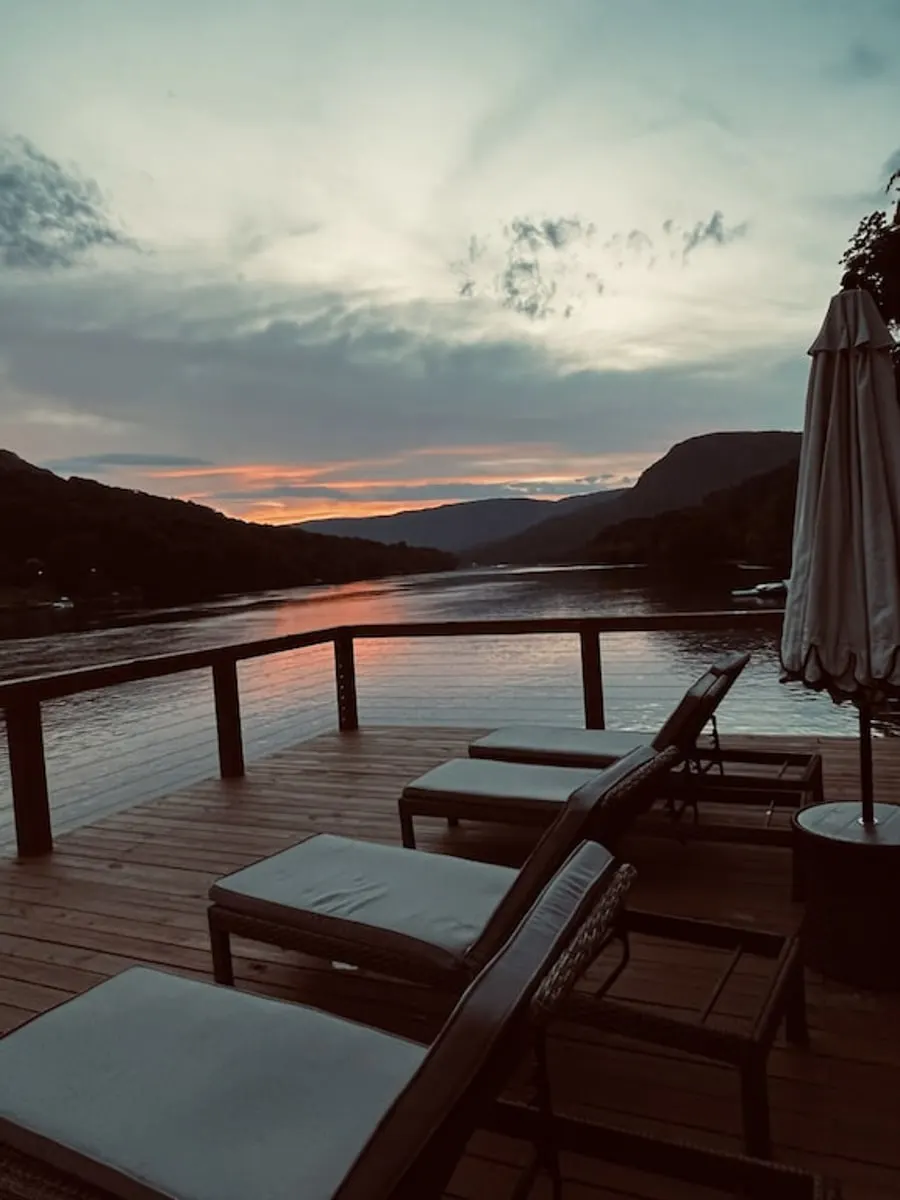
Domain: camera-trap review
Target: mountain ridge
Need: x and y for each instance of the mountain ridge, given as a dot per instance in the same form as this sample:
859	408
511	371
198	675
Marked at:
87	539
751	521
451	527
688	472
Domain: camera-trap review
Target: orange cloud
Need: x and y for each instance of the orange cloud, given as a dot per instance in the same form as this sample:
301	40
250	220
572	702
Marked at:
379	486
485	455
263	472
290	512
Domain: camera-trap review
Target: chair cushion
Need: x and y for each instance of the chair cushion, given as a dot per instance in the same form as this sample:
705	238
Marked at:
556	746
498	782
154	1086
430	906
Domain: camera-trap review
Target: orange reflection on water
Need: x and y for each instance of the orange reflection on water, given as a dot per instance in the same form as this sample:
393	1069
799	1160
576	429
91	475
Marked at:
326	607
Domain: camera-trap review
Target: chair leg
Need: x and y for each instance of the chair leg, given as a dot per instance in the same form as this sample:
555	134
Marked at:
220	941
755	1108
407	833
547	1150
796	1027
619	934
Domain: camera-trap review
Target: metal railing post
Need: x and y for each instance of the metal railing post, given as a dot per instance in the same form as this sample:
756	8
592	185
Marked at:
28	773
228	719
592	678
345	680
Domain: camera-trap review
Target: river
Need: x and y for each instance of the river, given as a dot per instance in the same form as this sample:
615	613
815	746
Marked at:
112	748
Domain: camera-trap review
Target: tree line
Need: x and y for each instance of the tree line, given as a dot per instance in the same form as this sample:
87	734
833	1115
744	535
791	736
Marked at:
87	540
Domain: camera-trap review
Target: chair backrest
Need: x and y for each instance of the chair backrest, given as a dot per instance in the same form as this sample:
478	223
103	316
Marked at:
415	1148
629	785
699	702
623	804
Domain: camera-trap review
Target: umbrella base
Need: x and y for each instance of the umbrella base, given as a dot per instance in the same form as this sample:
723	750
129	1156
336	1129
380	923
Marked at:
851	879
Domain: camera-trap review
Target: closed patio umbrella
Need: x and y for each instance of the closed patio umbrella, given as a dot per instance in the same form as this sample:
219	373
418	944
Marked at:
841	628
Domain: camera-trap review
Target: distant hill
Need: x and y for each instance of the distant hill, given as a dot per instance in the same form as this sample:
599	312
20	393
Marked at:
683	477
12	464
456	527
85	539
751	522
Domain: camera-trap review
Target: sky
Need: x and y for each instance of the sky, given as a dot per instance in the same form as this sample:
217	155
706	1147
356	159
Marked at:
298	259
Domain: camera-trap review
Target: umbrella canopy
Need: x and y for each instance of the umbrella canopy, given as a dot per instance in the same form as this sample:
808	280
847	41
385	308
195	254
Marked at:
842	618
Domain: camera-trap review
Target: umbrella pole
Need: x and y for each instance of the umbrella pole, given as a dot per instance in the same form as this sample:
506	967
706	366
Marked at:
865	764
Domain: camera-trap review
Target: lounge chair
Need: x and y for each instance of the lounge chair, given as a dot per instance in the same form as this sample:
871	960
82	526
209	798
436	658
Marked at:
507	777
521	793
751	778
436	919
154	1086
425	918
557	746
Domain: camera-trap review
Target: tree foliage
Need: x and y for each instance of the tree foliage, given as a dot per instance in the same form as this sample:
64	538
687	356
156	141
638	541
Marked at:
872	261
85	539
751	522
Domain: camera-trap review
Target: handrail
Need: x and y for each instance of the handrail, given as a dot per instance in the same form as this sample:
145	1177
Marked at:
54	685
517	626
21	699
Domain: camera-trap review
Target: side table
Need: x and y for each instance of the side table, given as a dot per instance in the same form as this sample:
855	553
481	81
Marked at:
851	876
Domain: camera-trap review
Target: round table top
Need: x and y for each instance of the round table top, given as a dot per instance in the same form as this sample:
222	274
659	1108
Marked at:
840	821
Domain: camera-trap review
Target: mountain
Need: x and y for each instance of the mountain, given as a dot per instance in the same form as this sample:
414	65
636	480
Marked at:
455	527
12	464
751	522
683	477
85	539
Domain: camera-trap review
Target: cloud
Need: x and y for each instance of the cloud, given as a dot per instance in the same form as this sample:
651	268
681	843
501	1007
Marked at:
554	267
555	234
399	493
320	390
49	217
102	463
72	420
715	231
531	263
862	63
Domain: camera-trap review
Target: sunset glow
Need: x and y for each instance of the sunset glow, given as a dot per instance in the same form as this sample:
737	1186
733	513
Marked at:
286	494
315	259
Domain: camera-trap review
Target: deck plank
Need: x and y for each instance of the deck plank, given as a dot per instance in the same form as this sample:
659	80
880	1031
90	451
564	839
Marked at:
131	888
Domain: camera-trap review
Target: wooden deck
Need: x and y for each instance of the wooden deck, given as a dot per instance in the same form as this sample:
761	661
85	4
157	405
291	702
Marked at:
131	889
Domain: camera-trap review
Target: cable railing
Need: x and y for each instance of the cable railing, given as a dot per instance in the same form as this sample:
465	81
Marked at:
469	681
138	742
286	698
149	738
484	682
151	726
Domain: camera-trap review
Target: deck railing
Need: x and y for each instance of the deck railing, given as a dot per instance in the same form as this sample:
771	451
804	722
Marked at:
22	700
